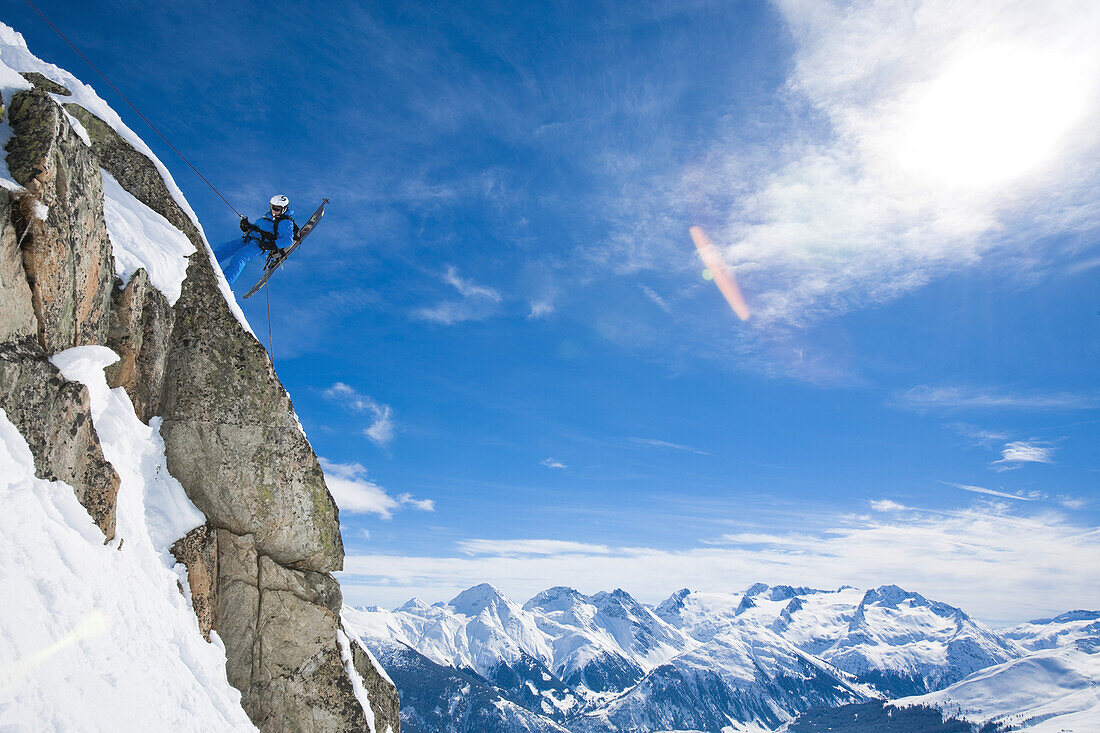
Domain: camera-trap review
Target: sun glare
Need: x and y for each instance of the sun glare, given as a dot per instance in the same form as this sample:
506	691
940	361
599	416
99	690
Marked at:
990	117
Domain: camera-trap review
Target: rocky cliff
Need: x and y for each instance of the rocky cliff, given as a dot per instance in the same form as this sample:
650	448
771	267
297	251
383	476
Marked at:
260	568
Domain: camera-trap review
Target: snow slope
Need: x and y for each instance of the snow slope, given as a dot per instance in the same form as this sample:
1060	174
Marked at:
142	238
1048	691
95	636
1080	628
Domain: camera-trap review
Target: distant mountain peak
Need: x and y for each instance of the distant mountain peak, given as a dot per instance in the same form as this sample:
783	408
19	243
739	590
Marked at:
413	604
558	598
892	596
472	601
756	589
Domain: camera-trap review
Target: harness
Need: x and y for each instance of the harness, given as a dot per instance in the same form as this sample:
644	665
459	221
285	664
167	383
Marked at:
267	240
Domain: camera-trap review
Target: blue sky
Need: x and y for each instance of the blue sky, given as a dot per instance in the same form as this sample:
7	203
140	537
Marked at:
501	341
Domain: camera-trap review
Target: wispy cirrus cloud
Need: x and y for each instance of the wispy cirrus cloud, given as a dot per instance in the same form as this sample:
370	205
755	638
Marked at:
530	547
381	430
887	505
1030	496
356	494
656	298
979	435
955	556
1019	452
925	397
666	444
552	463
1071	502
478	302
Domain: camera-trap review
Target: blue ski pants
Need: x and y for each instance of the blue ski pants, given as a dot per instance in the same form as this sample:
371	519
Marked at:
234	256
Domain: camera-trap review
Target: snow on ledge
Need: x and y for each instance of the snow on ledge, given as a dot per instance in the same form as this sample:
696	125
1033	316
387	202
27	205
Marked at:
152	505
142	238
356	681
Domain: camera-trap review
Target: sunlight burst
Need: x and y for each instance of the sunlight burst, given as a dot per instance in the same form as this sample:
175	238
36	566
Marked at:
992	116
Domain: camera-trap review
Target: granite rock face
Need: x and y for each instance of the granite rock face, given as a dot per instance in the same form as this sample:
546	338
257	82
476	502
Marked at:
60	224
17	319
54	415
232	439
279	626
140	327
259	569
55	268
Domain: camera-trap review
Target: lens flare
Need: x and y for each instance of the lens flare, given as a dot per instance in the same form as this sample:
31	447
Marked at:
722	277
94	624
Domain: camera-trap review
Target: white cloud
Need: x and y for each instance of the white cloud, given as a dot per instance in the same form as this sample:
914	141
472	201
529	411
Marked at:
665	444
381	431
997	564
886	505
478	303
994	492
469	289
652	295
424	505
356	494
1071	502
552	463
925	397
541	308
978	435
1018	452
530	547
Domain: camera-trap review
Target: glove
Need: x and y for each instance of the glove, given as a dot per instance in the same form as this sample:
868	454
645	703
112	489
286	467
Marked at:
245	225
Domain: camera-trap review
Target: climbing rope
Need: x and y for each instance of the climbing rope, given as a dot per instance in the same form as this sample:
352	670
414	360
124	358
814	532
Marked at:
136	110
270	345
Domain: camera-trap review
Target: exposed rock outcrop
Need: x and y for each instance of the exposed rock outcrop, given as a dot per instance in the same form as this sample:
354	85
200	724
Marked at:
55	270
54	415
232	439
17	319
259	569
60	224
141	325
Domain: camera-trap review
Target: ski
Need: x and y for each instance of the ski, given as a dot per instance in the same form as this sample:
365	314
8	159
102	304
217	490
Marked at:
273	262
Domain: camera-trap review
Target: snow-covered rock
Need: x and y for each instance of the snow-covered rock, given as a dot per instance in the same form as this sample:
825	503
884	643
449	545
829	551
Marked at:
744	675
1077	628
904	643
605	642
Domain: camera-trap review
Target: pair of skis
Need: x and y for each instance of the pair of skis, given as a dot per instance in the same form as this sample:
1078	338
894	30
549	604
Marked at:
274	261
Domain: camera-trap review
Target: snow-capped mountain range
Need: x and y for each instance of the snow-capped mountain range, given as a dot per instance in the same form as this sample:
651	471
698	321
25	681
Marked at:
701	661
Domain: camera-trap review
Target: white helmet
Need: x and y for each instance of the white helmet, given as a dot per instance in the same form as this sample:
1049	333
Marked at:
279	204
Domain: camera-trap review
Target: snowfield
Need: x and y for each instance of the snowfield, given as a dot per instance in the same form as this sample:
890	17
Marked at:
1049	691
98	636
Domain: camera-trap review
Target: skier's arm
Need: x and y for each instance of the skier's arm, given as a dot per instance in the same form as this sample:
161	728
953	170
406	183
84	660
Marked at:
286	233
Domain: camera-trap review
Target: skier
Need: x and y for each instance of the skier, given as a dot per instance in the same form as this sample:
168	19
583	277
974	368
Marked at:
273	233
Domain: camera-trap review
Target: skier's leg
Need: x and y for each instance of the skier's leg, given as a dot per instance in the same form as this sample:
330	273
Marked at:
236	263
225	250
